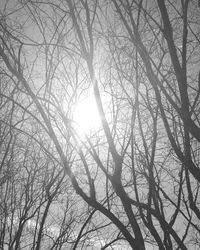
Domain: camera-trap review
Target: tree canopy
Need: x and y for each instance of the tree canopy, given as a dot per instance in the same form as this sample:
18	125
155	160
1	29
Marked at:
99	124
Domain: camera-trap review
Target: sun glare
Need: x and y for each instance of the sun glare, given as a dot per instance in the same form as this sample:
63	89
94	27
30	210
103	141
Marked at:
86	116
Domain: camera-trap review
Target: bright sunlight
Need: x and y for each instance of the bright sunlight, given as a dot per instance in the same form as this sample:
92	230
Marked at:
86	116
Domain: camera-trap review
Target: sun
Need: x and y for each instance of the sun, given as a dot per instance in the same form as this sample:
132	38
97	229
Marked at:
86	116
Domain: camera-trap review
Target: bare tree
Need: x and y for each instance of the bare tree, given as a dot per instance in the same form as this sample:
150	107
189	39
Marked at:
139	171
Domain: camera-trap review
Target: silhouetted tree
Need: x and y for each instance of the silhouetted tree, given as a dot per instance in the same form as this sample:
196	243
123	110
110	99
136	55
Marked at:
139	172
